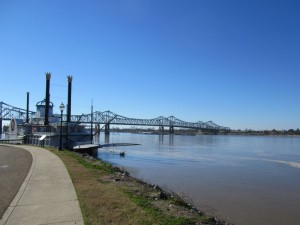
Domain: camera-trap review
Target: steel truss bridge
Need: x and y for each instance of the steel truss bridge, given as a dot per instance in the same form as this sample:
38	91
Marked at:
7	112
107	117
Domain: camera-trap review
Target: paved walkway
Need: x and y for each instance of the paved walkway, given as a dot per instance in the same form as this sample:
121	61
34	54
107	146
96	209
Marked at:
47	195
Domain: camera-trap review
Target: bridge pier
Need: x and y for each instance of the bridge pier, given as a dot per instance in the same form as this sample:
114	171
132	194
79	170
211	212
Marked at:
97	134
161	130
171	130
107	129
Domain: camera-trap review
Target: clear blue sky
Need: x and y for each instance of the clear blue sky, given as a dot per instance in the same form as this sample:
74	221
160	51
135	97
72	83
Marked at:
234	62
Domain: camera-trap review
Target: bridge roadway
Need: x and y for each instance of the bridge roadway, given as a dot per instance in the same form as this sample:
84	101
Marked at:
107	117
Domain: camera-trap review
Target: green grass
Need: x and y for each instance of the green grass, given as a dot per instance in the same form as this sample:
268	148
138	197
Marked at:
97	165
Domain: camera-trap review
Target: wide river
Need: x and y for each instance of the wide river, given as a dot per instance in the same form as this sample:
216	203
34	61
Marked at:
244	180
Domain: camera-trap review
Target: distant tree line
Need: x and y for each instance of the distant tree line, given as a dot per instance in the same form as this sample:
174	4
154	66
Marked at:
197	132
267	132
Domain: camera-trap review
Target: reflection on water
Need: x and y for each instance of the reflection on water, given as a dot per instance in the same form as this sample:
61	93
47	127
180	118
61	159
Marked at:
244	180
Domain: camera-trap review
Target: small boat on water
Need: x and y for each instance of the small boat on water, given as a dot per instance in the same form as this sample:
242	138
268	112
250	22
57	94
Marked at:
122	154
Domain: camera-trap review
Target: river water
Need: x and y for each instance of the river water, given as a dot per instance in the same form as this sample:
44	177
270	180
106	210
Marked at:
244	180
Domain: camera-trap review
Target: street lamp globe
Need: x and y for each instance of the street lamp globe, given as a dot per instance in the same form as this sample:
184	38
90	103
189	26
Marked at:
62	107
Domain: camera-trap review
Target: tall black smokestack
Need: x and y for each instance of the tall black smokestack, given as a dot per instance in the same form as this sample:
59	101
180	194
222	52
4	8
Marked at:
48	77
69	98
27	109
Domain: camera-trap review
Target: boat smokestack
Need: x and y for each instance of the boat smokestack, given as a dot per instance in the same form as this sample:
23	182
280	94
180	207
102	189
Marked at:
70	78
48	77
27	109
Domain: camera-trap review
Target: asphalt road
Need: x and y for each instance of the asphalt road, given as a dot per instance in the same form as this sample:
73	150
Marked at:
14	167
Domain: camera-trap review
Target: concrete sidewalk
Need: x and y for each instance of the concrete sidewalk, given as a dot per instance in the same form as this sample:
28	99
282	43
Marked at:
47	195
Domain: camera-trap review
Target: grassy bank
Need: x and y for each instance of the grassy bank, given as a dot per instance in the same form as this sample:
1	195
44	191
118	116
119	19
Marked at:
108	195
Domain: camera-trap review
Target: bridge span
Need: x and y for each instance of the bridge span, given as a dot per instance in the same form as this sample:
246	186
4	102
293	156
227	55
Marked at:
107	117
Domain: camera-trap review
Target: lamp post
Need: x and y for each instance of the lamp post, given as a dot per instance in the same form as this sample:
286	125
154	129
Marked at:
61	107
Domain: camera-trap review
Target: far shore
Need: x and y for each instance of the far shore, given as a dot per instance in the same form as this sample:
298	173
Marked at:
193	132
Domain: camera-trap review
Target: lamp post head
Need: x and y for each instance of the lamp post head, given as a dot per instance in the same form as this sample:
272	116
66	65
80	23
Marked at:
62	107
